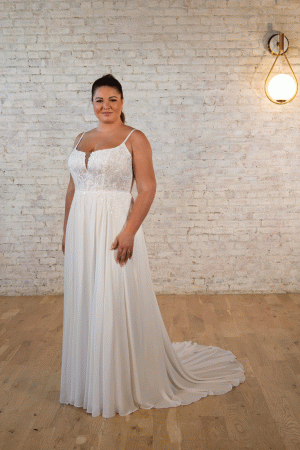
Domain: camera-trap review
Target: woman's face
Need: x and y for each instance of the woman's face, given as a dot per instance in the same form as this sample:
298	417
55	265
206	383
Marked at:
107	104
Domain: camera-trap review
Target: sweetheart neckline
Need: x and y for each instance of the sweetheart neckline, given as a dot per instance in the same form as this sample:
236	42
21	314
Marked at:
103	150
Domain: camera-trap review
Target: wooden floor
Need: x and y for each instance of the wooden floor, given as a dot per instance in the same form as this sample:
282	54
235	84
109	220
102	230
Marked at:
263	413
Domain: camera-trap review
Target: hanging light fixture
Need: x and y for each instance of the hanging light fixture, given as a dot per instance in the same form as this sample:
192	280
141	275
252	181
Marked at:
282	88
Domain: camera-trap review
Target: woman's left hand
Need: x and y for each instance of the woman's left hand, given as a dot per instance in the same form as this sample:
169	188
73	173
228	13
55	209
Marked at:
124	244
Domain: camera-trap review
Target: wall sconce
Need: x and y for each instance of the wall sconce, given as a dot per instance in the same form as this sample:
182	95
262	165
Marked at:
281	88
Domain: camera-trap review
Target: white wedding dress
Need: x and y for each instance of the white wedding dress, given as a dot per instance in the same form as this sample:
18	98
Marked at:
116	353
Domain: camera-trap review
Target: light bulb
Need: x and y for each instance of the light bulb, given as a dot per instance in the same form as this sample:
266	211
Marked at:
282	87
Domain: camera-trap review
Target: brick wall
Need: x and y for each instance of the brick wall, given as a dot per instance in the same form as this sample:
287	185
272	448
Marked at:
226	213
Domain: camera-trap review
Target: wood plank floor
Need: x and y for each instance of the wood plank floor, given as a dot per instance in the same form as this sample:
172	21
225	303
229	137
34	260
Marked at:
263	413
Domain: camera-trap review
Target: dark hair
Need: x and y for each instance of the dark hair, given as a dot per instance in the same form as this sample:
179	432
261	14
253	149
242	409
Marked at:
109	80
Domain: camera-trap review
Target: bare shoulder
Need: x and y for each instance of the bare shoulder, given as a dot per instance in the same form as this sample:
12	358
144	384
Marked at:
139	140
138	134
77	139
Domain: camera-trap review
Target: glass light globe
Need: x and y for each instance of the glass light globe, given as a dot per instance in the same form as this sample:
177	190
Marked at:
282	87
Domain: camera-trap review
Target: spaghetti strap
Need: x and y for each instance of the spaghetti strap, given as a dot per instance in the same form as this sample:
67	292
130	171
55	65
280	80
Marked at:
128	135
79	140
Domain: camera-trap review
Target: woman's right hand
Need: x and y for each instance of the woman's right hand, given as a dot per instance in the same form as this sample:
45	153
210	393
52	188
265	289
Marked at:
63	243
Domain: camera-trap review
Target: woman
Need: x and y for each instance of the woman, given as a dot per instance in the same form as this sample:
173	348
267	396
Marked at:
116	354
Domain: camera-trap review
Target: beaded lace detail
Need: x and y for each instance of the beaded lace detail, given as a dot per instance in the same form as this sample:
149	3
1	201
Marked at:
109	169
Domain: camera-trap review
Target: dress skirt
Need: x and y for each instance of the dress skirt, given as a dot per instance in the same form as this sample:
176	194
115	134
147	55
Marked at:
117	356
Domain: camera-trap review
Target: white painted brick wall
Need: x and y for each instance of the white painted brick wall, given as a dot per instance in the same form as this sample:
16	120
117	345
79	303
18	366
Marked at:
226	213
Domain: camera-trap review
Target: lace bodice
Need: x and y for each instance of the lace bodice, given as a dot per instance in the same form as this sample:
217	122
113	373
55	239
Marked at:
109	169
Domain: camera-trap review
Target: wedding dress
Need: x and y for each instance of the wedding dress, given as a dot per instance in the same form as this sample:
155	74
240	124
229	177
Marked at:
116	353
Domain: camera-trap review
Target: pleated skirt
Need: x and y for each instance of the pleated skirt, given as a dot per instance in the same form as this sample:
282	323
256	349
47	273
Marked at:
117	356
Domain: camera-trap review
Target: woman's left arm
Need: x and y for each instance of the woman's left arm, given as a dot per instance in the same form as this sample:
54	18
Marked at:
146	187
145	181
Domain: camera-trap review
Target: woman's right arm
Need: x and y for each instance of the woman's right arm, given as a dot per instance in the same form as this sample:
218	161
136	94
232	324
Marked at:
69	199
68	202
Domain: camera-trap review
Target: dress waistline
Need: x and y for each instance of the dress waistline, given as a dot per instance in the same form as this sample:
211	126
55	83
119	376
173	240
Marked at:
102	192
